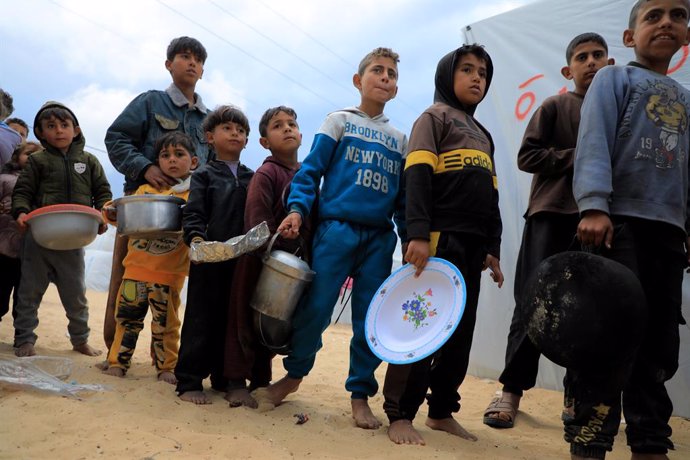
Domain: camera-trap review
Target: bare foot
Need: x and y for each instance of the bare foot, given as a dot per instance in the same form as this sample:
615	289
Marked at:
450	425
402	432
103	365
241	397
196	397
25	349
167	377
114	371
364	417
275	393
86	349
263	400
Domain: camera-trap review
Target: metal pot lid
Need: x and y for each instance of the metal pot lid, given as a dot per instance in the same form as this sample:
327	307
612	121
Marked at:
289	264
149	198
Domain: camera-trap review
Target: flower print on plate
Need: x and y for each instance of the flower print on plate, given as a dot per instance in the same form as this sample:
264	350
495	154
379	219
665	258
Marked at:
417	309
411	317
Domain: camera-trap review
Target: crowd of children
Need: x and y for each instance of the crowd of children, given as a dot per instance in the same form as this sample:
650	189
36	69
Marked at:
625	131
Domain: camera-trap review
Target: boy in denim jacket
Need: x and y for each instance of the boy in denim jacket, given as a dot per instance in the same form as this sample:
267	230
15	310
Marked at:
130	140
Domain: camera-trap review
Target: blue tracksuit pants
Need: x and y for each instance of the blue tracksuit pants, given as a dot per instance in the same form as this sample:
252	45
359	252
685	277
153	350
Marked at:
342	249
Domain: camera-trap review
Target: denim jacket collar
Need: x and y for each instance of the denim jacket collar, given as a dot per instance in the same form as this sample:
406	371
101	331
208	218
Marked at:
180	100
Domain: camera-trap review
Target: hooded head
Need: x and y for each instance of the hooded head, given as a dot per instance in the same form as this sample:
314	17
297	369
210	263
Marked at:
59	111
445	76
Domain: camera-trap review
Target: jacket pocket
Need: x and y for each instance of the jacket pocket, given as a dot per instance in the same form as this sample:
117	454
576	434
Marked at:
165	123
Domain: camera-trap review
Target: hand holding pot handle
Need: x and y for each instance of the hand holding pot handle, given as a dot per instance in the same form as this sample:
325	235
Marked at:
289	227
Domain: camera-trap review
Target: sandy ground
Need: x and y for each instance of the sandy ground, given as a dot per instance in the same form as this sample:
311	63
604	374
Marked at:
141	418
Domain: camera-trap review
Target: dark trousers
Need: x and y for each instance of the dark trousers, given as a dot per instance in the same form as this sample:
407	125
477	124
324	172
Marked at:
245	357
40	267
202	341
654	251
545	234
11	269
442	373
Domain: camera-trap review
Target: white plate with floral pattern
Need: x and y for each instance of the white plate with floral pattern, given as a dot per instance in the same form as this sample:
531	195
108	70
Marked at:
410	318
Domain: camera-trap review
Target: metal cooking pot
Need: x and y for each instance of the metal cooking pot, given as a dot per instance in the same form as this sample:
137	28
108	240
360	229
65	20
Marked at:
149	216
584	311
283	278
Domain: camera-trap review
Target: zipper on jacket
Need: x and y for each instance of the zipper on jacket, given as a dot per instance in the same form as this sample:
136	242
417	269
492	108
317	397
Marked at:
68	176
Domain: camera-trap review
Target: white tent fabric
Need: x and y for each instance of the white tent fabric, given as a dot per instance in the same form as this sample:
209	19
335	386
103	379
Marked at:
98	257
527	46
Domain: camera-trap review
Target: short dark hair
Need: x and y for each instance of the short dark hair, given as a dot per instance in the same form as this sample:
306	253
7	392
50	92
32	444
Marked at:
475	49
638	4
225	114
61	113
584	38
174	138
6	104
17	121
272	112
181	44
375	53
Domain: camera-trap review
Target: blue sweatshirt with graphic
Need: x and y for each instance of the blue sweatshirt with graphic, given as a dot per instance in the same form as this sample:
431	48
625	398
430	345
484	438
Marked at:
360	160
632	147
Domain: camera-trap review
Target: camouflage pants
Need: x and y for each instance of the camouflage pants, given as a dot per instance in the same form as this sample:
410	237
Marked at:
134	300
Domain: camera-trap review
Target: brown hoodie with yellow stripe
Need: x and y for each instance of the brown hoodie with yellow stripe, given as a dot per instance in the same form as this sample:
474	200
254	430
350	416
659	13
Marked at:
450	177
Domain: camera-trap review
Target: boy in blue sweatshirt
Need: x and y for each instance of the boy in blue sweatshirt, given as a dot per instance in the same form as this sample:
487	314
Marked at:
631	186
359	156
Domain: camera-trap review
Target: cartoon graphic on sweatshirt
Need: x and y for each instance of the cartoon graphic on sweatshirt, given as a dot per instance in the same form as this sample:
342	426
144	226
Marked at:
666	111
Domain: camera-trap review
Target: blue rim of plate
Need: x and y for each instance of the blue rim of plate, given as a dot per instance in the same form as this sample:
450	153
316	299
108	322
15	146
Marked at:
378	344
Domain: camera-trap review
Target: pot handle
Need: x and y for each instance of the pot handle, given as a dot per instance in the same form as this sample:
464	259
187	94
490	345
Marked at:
270	245
273	240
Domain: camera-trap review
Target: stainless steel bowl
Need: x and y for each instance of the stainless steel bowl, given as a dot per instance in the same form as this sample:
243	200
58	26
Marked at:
149	216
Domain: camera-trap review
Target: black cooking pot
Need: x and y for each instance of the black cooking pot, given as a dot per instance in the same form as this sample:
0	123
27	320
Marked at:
585	311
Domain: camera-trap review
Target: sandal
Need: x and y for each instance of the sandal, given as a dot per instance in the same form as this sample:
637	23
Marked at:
501	405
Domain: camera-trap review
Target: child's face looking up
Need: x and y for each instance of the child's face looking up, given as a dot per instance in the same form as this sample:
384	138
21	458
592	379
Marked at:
379	82
59	133
661	29
175	161
469	80
20	129
228	140
186	69
282	134
587	59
